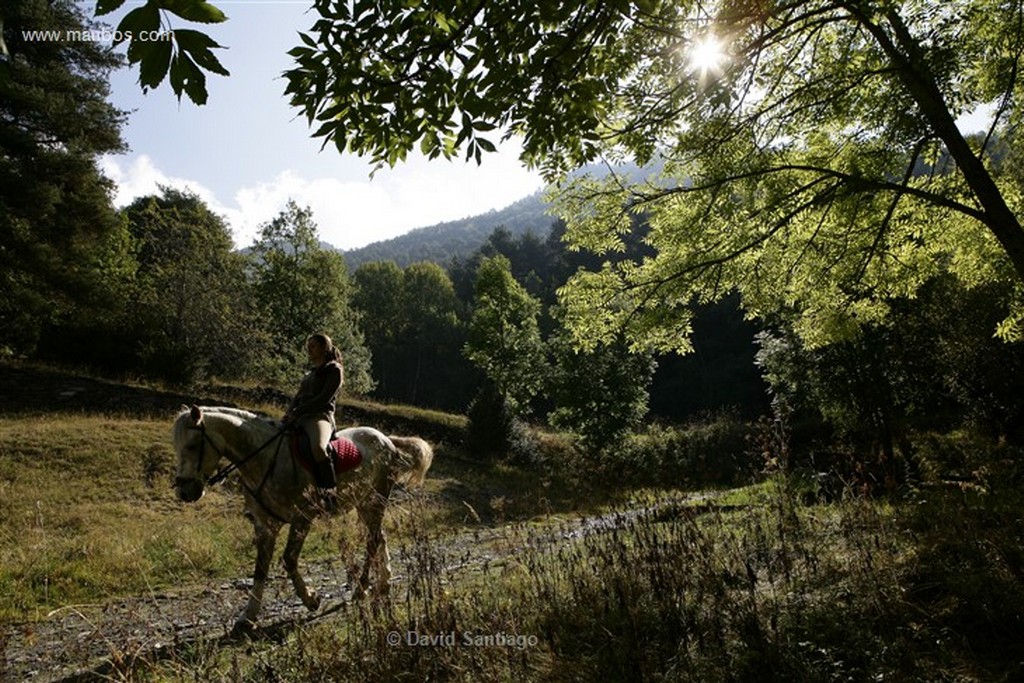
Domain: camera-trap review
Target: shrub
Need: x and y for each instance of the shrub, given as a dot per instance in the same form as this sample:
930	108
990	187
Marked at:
715	451
493	430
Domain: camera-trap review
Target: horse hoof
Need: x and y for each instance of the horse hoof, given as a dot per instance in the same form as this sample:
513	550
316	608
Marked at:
312	602
243	628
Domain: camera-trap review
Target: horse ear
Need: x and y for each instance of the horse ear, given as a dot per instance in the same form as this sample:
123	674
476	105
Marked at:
197	414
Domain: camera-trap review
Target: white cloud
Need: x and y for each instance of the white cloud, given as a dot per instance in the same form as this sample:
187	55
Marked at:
344	211
349	213
141	177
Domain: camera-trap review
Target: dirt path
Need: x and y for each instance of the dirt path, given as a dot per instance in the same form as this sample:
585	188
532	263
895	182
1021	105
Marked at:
85	642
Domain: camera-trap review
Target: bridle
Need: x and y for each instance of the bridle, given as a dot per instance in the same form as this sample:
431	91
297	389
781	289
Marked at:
222	474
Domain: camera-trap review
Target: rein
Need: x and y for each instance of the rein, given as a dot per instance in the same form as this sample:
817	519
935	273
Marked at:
222	474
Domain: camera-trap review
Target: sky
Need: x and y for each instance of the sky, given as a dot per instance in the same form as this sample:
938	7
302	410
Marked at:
247	151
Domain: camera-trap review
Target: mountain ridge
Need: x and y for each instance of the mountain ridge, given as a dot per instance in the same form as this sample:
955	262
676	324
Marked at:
442	242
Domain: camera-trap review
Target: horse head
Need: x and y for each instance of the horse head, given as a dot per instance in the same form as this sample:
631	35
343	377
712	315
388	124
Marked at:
197	454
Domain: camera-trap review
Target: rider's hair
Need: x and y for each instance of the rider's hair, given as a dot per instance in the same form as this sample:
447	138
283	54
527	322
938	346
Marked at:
333	352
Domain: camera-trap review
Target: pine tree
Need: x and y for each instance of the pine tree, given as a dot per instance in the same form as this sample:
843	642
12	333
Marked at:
61	242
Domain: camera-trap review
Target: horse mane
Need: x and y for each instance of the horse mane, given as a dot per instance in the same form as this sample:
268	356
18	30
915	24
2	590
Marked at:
240	413
246	419
223	410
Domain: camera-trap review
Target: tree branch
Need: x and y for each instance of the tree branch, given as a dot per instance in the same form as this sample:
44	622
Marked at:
884	224
657	283
857	183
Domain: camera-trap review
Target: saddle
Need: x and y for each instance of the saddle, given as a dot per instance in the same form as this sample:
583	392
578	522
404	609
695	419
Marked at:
343	452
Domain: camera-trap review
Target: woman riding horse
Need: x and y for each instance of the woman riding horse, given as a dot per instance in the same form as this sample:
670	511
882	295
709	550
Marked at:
276	487
312	410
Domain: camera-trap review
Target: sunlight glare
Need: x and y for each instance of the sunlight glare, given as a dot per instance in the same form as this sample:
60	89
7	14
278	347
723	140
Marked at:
707	54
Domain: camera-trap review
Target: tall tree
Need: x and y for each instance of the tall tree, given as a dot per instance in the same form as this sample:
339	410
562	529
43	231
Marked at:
504	339
812	157
600	394
302	288
60	238
411	325
433	335
191	313
378	295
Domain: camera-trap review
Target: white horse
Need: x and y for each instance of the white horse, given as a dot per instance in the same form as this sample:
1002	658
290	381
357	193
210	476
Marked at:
278	491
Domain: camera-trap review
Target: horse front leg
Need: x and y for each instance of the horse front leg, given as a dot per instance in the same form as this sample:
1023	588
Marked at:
265	537
296	537
383	565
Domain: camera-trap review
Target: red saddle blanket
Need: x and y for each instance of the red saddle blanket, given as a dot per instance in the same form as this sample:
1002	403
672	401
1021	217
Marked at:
345	453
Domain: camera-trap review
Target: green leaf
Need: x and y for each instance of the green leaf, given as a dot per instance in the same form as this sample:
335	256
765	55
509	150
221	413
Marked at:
188	78
155	63
429	145
195	40
107	6
139	20
141	51
300	52
198	11
443	22
198	45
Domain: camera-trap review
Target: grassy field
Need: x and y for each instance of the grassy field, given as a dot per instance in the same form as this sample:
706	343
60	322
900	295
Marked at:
588	579
87	512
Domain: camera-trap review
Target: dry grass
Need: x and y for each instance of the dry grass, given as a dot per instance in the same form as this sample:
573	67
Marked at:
87	512
778	592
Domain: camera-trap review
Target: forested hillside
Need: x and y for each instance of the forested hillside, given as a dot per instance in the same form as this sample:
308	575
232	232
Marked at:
456	239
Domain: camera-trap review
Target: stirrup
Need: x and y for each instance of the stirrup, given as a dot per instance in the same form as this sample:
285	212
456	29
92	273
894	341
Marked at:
328	499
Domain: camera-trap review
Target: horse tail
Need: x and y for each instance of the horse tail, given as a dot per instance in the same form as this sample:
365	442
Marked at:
419	453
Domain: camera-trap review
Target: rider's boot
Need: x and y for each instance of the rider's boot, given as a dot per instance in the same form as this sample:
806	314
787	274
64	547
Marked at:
326	483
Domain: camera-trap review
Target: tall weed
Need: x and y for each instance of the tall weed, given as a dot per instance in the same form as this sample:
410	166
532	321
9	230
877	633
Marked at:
682	592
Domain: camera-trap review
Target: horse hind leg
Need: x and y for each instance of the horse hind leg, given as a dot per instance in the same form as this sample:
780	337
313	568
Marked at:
296	537
373	517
